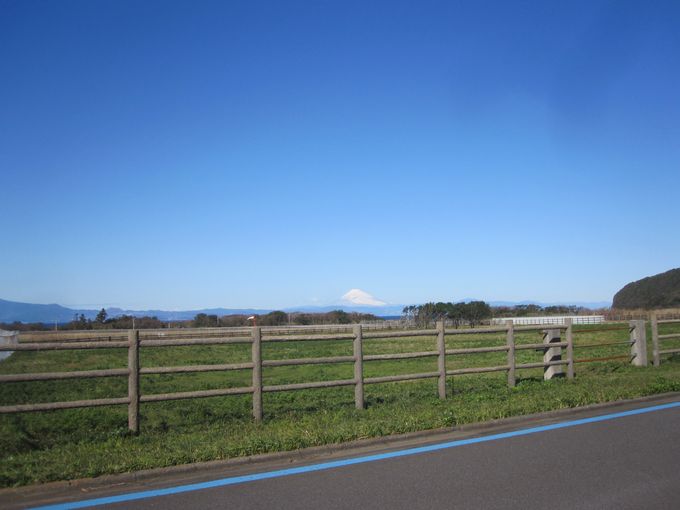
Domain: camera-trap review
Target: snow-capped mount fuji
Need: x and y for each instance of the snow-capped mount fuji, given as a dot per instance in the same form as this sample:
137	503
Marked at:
355	300
358	297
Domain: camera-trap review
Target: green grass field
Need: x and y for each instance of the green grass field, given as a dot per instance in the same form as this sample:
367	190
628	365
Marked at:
67	444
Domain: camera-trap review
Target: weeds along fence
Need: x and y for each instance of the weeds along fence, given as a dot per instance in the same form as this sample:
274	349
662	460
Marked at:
555	341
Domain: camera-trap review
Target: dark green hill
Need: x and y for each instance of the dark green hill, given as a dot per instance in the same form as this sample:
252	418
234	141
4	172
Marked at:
658	291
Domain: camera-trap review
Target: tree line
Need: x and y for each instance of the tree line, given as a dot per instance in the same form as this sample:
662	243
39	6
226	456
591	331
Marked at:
532	310
103	321
471	313
279	318
474	312
201	320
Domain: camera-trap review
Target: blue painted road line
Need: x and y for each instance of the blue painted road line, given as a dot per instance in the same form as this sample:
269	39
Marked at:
347	462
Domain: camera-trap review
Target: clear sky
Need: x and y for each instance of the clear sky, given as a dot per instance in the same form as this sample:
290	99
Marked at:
249	154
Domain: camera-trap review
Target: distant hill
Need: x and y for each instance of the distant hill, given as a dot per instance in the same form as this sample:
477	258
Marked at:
658	291
11	311
184	315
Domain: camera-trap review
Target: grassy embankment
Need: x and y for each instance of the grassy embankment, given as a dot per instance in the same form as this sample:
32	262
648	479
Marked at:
57	445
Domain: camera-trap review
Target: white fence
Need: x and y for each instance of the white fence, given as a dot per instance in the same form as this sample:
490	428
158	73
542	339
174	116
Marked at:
575	319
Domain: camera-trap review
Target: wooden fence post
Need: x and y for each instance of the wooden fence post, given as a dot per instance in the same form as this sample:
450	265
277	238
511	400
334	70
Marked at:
441	359
656	358
133	380
638	338
570	348
510	340
257	372
358	367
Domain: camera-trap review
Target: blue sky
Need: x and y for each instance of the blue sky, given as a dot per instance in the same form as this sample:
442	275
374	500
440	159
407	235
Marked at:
273	154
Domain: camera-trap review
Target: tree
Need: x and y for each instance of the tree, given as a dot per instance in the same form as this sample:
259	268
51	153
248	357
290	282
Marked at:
276	318
457	313
101	316
203	320
476	311
409	312
303	319
339	317
427	313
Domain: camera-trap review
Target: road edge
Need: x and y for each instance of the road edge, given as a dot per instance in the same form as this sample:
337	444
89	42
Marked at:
58	489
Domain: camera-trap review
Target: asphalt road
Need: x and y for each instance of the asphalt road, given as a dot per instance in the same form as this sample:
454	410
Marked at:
631	461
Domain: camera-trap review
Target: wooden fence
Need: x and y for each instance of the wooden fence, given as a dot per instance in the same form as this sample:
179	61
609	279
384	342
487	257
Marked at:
657	338
552	346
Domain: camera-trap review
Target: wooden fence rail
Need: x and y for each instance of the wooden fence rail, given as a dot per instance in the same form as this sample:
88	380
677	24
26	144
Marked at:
551	346
90	335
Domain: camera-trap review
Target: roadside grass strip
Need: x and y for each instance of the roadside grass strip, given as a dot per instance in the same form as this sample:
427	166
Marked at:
349	462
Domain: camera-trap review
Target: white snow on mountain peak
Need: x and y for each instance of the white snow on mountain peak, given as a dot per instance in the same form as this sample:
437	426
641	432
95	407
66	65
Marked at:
361	298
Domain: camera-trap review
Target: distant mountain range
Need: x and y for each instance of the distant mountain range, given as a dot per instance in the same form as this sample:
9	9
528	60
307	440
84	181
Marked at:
11	311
